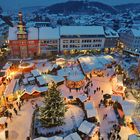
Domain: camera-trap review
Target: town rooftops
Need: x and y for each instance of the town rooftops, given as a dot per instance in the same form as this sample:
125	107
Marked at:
48	33
55	33
110	33
81	30
136	32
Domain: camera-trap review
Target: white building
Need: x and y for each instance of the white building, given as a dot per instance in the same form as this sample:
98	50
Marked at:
60	39
131	41
81	37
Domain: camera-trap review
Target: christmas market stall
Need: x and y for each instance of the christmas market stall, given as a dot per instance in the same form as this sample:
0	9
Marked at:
92	65
59	80
90	111
10	89
33	92
74	77
26	67
73	136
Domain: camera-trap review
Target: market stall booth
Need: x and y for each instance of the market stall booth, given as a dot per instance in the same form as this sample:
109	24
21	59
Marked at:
26	67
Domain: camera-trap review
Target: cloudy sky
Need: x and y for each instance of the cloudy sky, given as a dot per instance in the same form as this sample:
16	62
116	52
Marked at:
16	4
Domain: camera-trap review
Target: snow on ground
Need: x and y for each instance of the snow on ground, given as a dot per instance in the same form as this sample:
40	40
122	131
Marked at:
73	118
19	127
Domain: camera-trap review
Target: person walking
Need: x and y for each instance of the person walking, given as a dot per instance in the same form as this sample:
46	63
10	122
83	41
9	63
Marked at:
19	106
15	111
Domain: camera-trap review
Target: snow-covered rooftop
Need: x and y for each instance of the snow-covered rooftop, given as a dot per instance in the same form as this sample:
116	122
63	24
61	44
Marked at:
32	33
49	33
86	127
81	30
73	136
12	33
110	33
136	32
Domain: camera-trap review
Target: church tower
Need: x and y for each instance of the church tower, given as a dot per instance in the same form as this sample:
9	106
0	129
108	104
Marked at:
22	34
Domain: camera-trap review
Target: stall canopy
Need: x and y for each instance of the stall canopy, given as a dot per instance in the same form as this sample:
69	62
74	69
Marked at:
117	98
73	136
35	73
86	127
82	97
129	107
10	88
41	81
90	109
134	137
51	138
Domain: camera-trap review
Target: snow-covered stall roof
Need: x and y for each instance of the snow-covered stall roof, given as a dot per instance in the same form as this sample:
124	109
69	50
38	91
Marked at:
31	79
27	75
48	33
90	110
35	73
129	107
31	89
54	66
12	35
50	138
118	98
41	80
86	127
32	33
90	63
72	73
81	30
10	87
73	136
25	81
50	78
134	137
7	66
82	97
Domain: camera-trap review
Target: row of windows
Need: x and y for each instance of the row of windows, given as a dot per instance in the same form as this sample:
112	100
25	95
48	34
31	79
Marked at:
74	46
83	41
48	41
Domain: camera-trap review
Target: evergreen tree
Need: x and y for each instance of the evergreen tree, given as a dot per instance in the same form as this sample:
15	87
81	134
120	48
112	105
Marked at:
53	112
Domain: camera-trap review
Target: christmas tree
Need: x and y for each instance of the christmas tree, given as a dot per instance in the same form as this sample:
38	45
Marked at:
53	112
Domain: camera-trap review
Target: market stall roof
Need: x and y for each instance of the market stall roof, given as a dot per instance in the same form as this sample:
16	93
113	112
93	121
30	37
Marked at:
115	97
86	127
50	78
7	66
41	80
50	138
31	89
35	73
72	73
82	97
31	79
27	75
88	105
73	136
129	107
90	63
10	87
134	137
90	110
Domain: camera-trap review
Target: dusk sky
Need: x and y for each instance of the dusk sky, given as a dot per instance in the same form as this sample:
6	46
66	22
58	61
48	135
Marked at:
16	4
